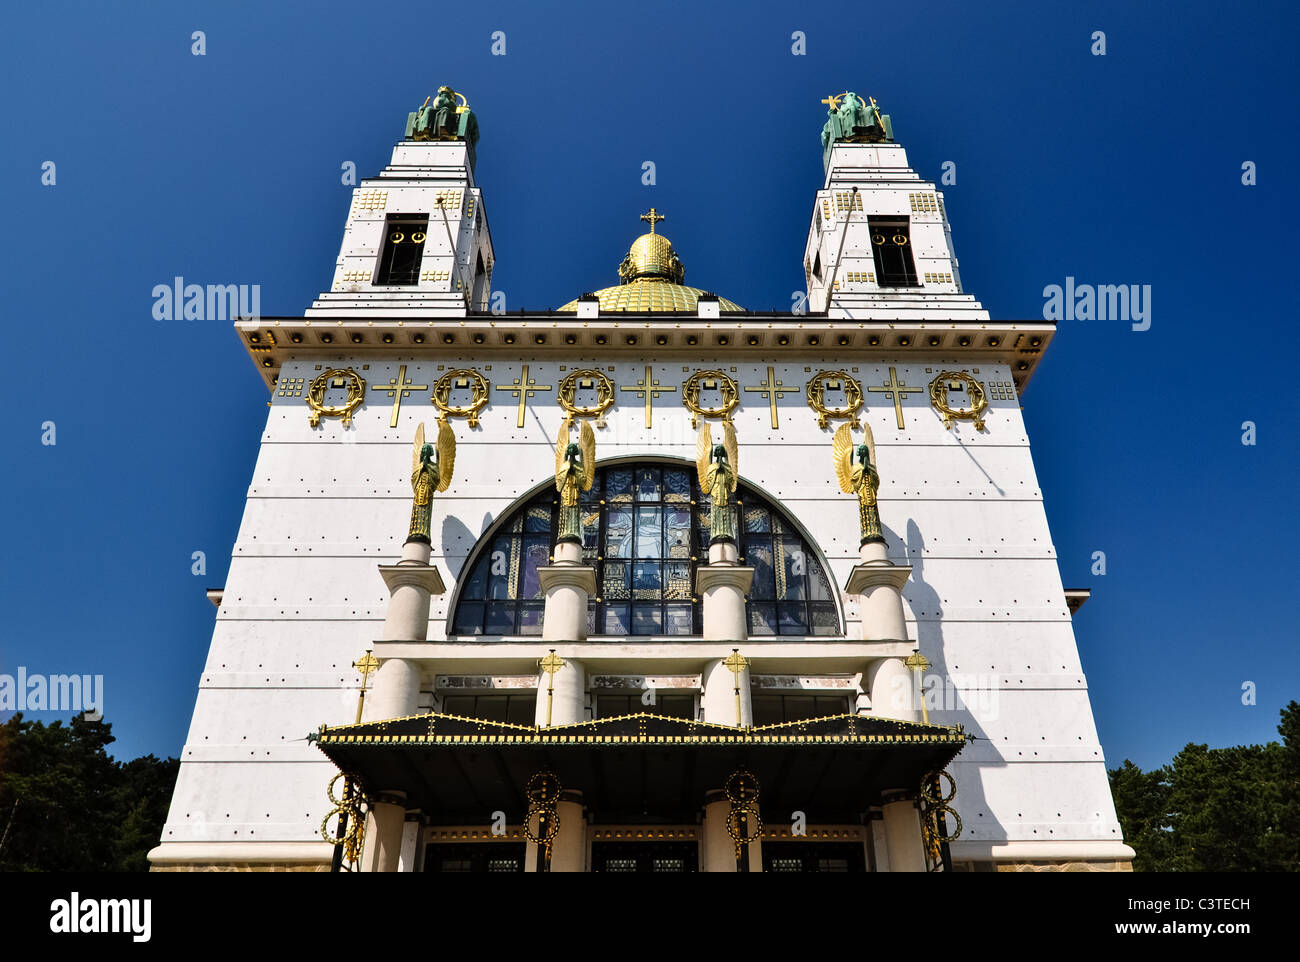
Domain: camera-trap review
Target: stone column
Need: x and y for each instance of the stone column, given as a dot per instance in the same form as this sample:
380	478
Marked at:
569	850
412	833
569	847
568	583
719	698
567	696
410	582
903	839
878	840
718	849
878	583
384	823
722	584
892	690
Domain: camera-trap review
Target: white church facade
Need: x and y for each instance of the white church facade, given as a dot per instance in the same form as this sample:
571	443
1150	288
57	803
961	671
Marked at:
674	586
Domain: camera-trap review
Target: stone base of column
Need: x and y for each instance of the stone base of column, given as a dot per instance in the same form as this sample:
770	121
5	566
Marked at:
893	691
396	691
569	847
717	848
564	694
903	839
384	823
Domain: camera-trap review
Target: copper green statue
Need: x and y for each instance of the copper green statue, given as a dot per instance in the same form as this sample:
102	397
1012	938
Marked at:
445	118
855	469
430	472
575	469
716	466
850	120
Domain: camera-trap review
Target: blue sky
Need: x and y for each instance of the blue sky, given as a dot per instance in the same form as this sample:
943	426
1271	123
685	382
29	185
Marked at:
225	168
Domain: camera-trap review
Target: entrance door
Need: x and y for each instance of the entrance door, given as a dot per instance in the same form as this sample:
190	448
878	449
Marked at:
813	857
474	857
645	857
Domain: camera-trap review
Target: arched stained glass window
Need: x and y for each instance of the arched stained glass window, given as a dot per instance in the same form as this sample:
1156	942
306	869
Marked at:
645	530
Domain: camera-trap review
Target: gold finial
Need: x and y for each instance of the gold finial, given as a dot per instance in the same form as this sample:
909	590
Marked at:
653	217
918	663
551	664
833	101
366	664
737	663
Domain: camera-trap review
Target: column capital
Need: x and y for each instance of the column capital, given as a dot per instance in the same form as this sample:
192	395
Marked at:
708	577
567	576
876	575
405	574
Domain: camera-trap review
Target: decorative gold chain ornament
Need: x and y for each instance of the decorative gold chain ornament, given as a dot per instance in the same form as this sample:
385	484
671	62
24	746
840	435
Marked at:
461	377
744	824
939	398
587	378
335	377
935	812
816	391
350	831
543	792
725	384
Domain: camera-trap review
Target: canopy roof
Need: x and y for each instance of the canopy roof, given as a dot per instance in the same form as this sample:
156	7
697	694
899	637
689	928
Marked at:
643	766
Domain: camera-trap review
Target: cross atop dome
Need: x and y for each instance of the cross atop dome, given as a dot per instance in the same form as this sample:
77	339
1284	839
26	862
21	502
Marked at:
653	216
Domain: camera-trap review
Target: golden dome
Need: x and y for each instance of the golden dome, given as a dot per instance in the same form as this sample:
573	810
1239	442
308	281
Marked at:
651	279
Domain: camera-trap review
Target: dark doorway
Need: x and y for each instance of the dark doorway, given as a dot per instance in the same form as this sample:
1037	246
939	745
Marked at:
474	857
645	857
813	857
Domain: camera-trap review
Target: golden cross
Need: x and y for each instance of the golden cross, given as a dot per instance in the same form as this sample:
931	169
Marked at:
523	387
398	388
833	101
652	217
366	664
737	663
550	664
896	391
771	389
918	663
647	387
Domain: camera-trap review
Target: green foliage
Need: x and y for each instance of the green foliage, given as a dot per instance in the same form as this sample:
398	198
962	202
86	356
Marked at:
68	806
1216	809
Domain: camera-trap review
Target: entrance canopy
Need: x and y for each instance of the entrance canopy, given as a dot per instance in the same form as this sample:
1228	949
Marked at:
642	766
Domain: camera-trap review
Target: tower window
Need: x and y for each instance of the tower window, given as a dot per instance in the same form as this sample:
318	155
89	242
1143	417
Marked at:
403	249
891	246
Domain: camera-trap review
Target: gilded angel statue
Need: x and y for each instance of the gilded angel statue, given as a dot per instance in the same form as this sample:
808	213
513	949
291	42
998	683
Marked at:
431	471
716	466
855	468
575	467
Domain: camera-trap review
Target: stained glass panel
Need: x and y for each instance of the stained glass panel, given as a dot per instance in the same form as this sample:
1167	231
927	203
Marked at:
647	484
641	542
618	533
677	486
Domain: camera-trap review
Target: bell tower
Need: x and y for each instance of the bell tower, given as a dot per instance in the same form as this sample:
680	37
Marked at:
879	245
416	242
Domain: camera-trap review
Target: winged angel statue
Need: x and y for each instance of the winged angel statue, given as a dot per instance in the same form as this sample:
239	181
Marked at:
575	467
717	466
855	468
430	471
